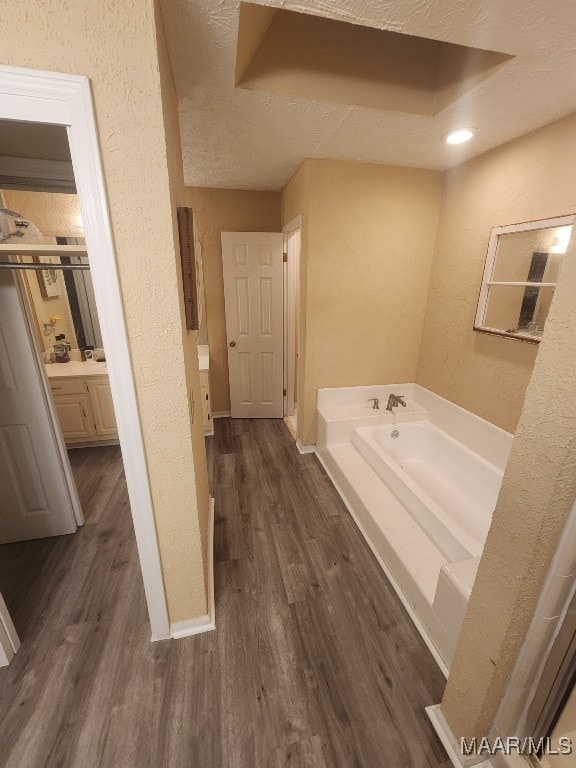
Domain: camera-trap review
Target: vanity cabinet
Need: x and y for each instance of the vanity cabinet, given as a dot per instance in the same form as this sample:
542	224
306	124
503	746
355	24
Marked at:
102	407
84	408
73	415
206	405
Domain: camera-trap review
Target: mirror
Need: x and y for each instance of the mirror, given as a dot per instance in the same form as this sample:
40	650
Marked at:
521	272
63	302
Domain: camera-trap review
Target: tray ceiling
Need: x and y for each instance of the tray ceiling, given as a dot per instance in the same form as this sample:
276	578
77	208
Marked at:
248	138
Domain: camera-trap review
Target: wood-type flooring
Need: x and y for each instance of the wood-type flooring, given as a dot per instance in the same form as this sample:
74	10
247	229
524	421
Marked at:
314	662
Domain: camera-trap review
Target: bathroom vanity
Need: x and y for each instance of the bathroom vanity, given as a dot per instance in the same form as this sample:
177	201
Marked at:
204	365
83	400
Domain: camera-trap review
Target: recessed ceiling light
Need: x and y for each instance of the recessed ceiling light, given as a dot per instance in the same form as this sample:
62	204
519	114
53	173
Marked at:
459	136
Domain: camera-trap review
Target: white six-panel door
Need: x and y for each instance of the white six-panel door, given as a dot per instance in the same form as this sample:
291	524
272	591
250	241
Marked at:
253	292
35	498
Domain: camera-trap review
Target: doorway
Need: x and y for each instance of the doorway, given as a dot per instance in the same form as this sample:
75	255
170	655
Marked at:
292	302
54	99
253	290
262	309
54	401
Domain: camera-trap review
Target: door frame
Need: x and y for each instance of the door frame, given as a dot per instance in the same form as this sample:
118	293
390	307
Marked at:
61	99
292	292
9	641
529	693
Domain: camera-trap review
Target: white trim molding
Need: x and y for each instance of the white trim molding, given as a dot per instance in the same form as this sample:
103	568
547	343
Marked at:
60	99
206	623
292	300
449	742
305	448
293	225
220	414
6	622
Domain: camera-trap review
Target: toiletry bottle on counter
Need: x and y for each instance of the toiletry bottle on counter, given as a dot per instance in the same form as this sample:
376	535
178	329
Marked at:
61	350
66	343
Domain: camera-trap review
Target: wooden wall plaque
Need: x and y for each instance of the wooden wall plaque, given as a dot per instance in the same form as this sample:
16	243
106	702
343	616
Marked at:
188	262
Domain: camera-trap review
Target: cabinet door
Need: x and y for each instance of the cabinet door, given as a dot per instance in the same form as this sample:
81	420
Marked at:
102	407
67	386
74	417
206	409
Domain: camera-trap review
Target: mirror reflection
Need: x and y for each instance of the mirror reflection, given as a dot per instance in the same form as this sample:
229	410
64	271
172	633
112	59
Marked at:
521	273
63	302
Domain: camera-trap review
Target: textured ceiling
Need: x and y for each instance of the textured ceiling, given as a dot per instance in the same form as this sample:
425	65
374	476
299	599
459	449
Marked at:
245	139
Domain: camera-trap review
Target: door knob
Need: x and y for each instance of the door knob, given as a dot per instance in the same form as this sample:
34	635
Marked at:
232	343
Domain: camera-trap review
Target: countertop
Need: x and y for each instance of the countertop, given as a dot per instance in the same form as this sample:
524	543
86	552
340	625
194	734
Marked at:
78	368
75	368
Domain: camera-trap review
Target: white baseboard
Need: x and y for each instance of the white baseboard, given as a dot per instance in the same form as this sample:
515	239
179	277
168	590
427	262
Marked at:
305	448
205	623
220	414
452	747
396	587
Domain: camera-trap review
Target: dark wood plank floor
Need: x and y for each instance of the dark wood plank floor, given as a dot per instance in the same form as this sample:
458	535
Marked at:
314	662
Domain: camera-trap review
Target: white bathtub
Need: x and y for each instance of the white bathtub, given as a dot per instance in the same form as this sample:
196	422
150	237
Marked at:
450	491
423	500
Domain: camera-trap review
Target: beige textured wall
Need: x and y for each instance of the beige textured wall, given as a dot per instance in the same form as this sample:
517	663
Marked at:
53	213
216	211
115	45
537	494
531	178
189	339
367	257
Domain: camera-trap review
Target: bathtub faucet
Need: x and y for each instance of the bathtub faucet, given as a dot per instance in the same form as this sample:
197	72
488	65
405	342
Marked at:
376	402
395	400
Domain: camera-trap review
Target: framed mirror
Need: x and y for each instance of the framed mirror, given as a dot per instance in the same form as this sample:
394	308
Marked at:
520	276
63	302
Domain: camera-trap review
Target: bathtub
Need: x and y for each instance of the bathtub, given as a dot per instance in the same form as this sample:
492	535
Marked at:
423	498
450	491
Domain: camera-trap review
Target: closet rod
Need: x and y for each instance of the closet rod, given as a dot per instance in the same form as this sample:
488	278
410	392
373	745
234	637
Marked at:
63	267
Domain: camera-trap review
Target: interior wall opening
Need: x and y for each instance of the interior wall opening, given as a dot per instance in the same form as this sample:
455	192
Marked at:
63	488
292	315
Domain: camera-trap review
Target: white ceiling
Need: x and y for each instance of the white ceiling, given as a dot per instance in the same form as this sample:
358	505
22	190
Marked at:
244	139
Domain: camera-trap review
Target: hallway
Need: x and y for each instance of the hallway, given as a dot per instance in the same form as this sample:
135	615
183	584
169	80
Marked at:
314	662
